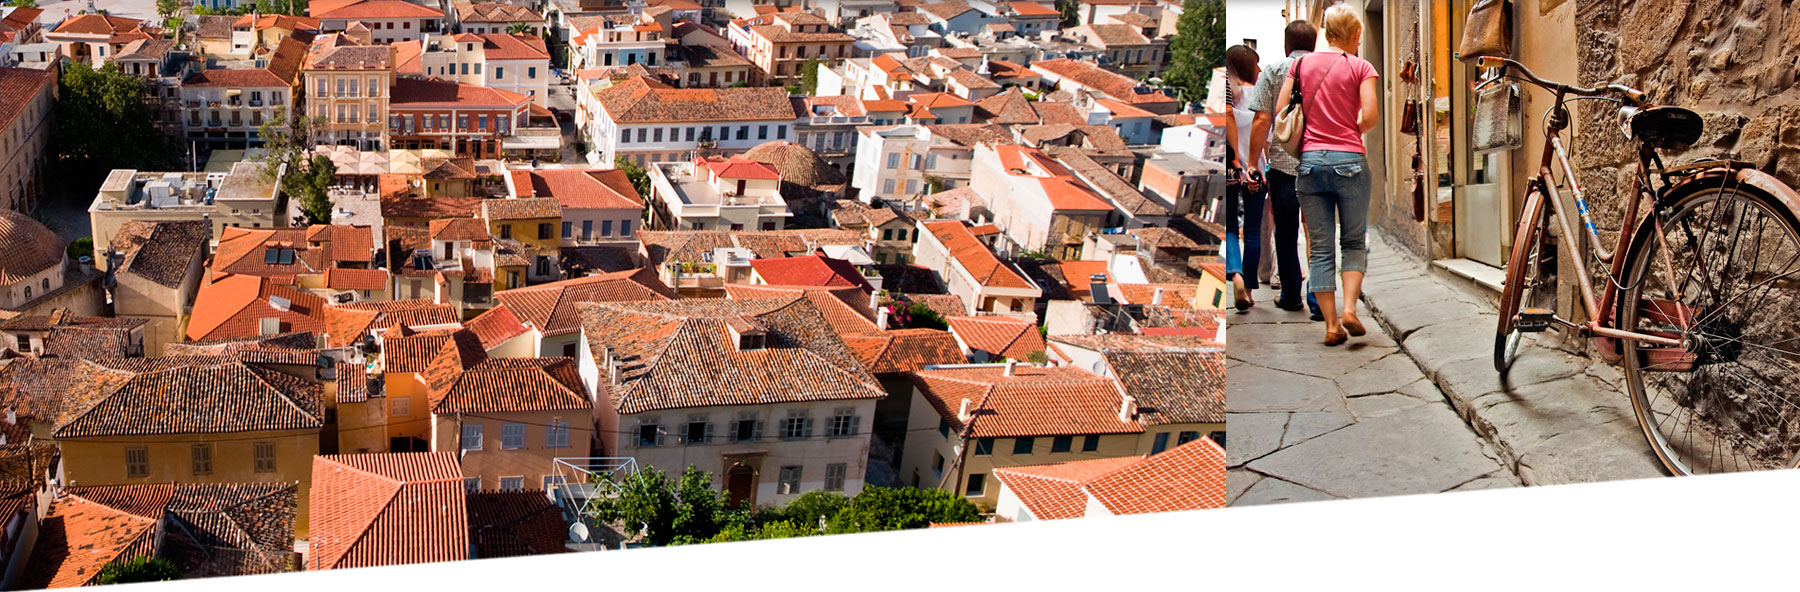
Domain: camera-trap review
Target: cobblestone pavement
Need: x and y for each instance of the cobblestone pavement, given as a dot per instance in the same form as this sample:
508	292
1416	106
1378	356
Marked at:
1415	406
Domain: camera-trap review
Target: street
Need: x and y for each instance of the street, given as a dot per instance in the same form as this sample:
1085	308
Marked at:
1423	413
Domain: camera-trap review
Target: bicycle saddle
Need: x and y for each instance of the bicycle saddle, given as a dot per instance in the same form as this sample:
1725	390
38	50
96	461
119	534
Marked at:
1667	128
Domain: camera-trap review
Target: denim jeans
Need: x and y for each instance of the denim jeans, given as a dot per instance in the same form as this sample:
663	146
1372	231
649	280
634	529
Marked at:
1286	208
1334	197
1247	205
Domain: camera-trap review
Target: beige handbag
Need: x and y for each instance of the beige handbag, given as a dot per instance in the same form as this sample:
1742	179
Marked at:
1488	31
1290	124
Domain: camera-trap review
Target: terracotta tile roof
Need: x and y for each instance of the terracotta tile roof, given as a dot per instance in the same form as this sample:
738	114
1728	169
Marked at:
98	24
1187	477
599	258
348	323
28	246
233	306
78	537
20	17
738	167
340	278
412	93
496	326
421	207
846	308
405	350
945	305
340	52
679	354
1174	295
1031	9
1001	337
354	384
495	12
798	165
215	397
969	134
1056	492
216	529
1091	75
515	524
505	385
905	350
371	9
780	34
1173	386
706	56
212	26
61	317
1117	189
1119	34
587	189
551	307
1165	238
86	343
459	229
521	208
687	245
387	509
809	270
637	100
975	257
946	10
1033	401
512	46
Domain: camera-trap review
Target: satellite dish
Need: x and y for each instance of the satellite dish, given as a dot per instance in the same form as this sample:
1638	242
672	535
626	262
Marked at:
578	532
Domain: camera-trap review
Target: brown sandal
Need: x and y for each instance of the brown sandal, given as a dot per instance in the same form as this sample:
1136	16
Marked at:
1335	337
1240	294
1353	325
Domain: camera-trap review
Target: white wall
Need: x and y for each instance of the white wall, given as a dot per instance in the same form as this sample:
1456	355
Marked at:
1259	20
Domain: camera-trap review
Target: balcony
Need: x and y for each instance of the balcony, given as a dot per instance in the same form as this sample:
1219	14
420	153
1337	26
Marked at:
256	103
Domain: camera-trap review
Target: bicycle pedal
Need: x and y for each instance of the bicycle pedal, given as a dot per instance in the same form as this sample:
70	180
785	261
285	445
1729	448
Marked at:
1535	320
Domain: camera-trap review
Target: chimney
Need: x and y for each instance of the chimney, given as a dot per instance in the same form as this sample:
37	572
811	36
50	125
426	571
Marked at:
881	318
12	417
1156	299
1009	367
963	414
1128	409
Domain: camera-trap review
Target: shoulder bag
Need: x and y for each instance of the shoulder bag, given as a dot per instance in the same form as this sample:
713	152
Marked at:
1290	124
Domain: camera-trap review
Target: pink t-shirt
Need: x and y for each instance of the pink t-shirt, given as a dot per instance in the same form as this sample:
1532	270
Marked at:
1332	103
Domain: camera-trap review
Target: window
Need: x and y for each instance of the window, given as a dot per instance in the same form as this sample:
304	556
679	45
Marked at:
834	476
202	459
845	423
743	132
624	228
656	135
690	134
512	483
781	132
797	426
915	235
1062	443
931	161
471	436
471	484
551	481
699	431
984	446
643	134
512	436
530	73
462	122
465	69
887	186
499	72
506	231
937	463
912	186
1090	443
893	160
1162	443
265	457
587	226
137	461
790	481
648	435
762	132
481	122
624	136
568	230
544	231
1218	438
944	427
733	227
977	485
887	234
747	428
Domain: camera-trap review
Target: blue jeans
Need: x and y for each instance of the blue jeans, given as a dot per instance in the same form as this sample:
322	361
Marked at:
1247	205
1334	197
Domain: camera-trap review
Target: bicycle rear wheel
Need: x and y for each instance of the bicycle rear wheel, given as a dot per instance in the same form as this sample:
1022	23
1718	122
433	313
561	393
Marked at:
1728	259
1521	288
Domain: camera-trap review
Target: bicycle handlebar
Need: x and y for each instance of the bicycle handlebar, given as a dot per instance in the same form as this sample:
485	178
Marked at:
1631	96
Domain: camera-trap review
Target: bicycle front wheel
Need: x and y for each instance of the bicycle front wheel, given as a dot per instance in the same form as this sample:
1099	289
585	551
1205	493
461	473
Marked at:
1722	273
1521	287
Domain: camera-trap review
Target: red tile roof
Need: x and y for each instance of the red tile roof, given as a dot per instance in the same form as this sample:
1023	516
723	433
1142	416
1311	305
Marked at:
1091	75
496	326
975	257
1188	477
78	537
296	23
551	307
233	306
1056	492
505	385
1031	9
588	189
98	24
370	9
340	278
515	524
404	350
846	308
738	167
348	323
637	100
1000	337
810	270
31	247
1032	402
412	93
905	350
512	46
387	509
680	354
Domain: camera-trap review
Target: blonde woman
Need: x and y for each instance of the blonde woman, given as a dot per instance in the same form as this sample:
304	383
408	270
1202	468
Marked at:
1338	95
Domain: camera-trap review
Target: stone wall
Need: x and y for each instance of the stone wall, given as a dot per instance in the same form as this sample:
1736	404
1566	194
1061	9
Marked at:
1391	203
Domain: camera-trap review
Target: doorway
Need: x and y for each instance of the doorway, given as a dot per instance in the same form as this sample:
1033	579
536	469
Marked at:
1473	204
740	487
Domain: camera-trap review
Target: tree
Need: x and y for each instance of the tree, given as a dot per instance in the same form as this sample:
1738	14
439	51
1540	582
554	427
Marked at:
142	569
167	8
809	76
920	316
781	529
312	185
24	3
518	29
640	180
881	508
103	123
307	178
81	247
1197	47
810	506
1071	12
688	510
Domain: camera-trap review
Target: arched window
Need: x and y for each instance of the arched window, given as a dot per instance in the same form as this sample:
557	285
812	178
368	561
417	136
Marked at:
27	292
46	285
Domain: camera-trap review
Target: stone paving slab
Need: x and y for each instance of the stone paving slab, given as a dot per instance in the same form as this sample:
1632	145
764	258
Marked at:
1426	449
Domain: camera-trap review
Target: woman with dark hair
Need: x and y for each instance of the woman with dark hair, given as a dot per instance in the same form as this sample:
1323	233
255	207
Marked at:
1339	97
1243	190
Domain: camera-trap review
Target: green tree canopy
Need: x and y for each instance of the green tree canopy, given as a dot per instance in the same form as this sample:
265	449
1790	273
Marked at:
308	177
166	8
809	76
806	509
103	123
1197	47
666	512
1070	11
640	180
142	569
518	28
881	508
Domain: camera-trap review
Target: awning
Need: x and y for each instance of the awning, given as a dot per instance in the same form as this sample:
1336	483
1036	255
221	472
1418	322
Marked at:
531	143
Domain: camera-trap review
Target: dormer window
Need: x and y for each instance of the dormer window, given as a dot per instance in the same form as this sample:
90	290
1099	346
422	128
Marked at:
747	333
278	256
752	342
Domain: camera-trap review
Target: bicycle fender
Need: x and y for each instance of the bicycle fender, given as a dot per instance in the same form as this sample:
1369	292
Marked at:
1767	182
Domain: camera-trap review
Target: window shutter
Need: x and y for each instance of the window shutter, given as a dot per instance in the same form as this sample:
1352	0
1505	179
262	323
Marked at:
855	424
661	438
709	432
806	429
756	430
